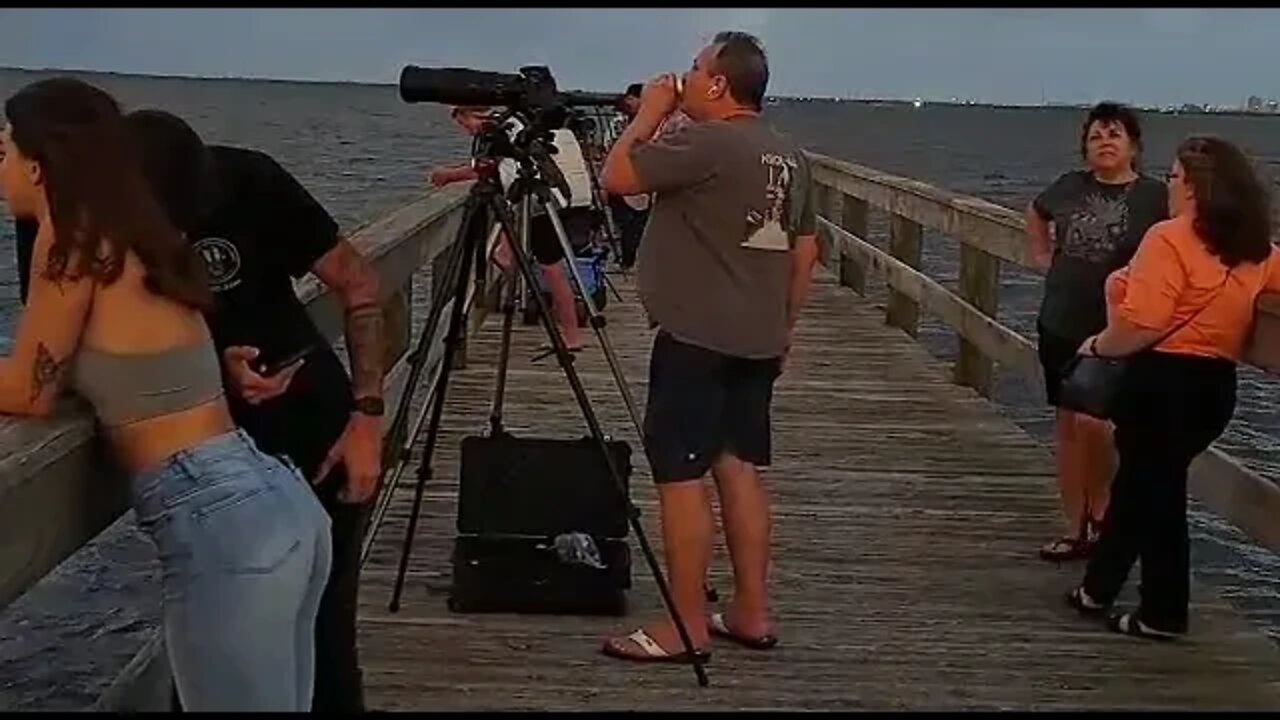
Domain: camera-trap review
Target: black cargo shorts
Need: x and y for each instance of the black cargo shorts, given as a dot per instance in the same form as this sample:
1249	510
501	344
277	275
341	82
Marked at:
701	403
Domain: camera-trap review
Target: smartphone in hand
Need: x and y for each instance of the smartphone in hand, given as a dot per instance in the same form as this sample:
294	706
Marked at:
274	367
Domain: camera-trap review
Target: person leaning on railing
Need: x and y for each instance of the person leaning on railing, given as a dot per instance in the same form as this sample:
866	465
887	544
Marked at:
544	245
256	229
1181	313
1098	215
114	310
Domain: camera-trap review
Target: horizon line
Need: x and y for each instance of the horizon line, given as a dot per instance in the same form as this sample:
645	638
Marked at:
1046	103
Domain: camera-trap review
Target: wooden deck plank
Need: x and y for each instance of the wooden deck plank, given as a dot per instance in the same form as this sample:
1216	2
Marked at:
907	515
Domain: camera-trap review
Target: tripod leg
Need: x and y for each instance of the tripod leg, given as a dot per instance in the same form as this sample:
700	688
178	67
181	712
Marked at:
597	195
510	293
580	394
597	322
612	288
396	440
437	409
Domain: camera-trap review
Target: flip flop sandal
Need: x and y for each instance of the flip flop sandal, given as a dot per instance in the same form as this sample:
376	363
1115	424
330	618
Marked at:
651	651
1085	605
719	627
1129	624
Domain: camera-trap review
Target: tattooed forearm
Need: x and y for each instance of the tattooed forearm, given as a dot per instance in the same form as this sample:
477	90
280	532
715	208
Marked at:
45	372
351	277
364	348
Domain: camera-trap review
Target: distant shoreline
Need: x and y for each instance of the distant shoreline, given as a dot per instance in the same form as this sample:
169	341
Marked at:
1185	109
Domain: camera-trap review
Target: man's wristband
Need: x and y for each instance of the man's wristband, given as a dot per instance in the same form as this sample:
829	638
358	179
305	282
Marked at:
372	406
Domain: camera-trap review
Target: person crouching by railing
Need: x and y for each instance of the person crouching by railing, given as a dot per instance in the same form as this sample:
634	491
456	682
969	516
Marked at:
544	244
113	310
1099	215
1180	314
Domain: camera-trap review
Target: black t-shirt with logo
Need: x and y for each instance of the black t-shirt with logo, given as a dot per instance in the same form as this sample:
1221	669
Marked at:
265	230
1097	229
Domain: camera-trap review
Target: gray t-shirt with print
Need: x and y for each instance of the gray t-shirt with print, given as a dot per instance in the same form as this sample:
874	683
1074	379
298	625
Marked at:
1097	228
732	196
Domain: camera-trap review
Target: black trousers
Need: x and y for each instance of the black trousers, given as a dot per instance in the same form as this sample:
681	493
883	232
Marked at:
1170	409
339	683
630	224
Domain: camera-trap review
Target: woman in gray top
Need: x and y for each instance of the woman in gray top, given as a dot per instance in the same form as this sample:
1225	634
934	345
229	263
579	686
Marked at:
114	311
1098	216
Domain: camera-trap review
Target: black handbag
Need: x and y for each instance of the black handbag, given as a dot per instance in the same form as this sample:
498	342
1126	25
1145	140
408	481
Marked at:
1091	383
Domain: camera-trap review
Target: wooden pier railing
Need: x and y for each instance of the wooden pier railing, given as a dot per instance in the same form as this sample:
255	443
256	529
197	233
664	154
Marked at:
58	490
988	235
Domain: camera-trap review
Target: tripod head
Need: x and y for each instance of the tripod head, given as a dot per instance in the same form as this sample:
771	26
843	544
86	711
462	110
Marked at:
525	131
513	135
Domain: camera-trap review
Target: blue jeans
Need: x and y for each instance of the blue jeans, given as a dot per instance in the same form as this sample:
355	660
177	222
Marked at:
245	551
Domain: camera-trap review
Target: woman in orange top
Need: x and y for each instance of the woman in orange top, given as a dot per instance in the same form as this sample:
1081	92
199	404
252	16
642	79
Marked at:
1181	311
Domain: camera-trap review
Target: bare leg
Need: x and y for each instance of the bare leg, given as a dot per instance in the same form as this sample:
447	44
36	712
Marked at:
744	507
502	253
562	305
1098	465
687	532
1071	468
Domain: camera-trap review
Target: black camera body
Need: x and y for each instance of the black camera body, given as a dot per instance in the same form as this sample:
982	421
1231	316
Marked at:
535	109
530	93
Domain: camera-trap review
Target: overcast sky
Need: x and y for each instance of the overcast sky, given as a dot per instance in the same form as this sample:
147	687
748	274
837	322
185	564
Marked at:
1011	56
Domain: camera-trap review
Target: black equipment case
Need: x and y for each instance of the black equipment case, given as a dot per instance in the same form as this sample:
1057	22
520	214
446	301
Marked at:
516	495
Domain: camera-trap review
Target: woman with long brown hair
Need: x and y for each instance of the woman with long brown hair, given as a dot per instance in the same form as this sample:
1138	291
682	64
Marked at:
114	310
1181	313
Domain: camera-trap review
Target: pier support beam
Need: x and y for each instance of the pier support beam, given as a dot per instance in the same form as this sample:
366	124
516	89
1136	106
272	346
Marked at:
904	244
980	287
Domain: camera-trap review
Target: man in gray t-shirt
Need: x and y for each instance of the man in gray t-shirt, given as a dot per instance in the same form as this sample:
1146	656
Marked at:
724	269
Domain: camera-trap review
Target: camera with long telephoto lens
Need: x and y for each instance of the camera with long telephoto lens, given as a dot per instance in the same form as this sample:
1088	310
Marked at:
532	92
535	108
533	86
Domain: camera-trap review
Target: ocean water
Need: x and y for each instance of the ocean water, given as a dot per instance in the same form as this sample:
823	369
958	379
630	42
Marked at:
362	152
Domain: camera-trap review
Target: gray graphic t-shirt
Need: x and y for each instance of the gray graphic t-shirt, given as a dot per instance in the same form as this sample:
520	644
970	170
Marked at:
715	263
1096	229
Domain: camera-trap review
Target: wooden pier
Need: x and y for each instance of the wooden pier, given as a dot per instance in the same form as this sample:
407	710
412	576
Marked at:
907	517
907	510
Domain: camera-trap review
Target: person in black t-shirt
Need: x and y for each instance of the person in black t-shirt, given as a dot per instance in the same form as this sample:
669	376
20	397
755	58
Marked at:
257	229
1098	215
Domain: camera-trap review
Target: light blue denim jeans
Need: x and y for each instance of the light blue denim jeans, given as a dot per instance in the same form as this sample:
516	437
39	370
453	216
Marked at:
245	551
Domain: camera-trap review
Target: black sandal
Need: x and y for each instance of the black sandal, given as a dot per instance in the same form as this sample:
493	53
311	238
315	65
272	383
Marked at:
1084	604
1067	548
1130	624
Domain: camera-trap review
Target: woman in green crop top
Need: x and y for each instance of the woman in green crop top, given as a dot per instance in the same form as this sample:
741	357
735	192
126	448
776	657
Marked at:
114	310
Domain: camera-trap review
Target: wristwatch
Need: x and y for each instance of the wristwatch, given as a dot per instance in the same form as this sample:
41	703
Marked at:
371	406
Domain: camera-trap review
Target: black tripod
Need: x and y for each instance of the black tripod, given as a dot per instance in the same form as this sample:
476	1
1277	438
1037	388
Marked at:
487	193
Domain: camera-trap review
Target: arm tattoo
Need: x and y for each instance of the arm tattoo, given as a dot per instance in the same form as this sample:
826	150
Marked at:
364	348
45	371
344	270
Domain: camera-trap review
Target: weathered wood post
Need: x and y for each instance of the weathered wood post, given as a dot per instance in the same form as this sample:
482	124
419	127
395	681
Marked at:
853	218
980	286
823	204
904	244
